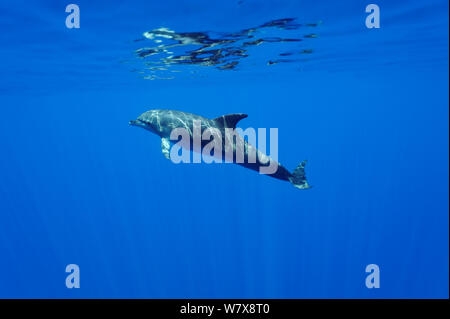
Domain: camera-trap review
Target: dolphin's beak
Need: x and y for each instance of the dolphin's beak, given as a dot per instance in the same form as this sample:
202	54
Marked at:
138	123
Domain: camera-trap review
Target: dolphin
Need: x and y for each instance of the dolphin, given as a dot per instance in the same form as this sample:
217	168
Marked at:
163	122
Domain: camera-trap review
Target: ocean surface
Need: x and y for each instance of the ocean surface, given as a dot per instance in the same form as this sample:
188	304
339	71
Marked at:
368	109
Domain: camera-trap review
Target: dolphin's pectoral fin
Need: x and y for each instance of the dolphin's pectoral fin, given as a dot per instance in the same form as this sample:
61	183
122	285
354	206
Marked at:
230	120
165	147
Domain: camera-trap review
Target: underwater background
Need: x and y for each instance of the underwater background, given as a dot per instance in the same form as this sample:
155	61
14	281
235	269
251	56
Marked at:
368	109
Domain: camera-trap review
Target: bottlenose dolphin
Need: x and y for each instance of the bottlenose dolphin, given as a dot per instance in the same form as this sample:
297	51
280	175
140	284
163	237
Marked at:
163	122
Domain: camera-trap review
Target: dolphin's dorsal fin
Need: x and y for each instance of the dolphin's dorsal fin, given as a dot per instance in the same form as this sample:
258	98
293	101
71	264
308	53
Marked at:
230	120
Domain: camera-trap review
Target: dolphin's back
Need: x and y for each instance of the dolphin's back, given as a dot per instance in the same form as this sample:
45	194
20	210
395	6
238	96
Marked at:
168	120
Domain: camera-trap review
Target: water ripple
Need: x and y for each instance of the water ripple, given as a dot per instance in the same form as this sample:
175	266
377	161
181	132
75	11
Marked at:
171	51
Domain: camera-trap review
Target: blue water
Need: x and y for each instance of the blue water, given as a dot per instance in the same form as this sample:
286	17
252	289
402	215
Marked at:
368	109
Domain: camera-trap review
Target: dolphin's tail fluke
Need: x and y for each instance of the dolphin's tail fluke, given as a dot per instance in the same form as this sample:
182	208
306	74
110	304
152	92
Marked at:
298	177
